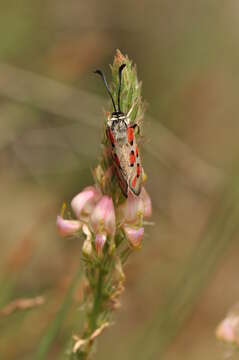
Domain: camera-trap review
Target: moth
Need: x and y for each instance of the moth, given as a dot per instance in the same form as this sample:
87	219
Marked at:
124	149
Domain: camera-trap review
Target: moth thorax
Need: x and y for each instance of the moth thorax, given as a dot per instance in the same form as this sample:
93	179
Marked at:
118	116
119	126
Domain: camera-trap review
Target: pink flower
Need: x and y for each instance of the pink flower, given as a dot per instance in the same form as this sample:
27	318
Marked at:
103	223
84	203
99	243
133	235
103	217
136	208
132	209
228	329
67	227
132	213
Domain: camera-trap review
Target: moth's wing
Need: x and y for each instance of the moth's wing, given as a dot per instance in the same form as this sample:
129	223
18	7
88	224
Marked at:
122	181
119	160
134	163
130	172
135	177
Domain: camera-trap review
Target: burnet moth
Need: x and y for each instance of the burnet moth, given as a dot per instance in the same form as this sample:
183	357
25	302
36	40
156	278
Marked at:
124	149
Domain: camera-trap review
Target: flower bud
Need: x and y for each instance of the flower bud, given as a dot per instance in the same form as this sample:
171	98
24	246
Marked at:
87	248
67	227
103	216
83	203
87	245
100	240
134	235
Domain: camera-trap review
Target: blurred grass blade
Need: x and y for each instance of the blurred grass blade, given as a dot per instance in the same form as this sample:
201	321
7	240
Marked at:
52	332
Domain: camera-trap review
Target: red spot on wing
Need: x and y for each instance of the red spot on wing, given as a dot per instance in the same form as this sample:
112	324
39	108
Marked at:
134	181
132	158
137	153
130	134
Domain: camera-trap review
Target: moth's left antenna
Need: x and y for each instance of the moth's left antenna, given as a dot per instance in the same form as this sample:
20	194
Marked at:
99	72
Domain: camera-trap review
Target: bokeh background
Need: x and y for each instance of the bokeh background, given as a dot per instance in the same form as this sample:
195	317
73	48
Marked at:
185	278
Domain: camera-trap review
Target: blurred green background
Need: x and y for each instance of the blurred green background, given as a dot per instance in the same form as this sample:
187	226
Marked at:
180	285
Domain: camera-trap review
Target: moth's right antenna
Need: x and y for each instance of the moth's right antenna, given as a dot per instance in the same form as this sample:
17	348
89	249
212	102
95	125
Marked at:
121	68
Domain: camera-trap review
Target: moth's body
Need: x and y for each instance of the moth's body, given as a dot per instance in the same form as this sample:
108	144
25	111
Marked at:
125	154
124	150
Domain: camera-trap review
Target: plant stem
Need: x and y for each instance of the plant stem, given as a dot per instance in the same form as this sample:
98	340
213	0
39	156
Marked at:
97	301
94	314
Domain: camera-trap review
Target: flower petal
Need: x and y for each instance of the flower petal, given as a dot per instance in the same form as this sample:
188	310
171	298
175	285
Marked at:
132	209
134	236
99	243
67	227
103	216
84	202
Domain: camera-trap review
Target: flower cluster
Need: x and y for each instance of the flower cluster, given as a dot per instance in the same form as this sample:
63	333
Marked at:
96	218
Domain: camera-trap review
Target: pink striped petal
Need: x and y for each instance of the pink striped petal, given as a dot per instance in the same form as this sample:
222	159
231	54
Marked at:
103	216
84	202
99	243
67	227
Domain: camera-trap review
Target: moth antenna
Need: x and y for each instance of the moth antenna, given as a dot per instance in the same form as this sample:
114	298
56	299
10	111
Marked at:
121	68
99	72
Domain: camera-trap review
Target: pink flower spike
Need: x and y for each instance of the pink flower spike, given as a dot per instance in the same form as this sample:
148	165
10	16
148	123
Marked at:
147	203
67	227
99	243
134	236
132	208
103	216
84	202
